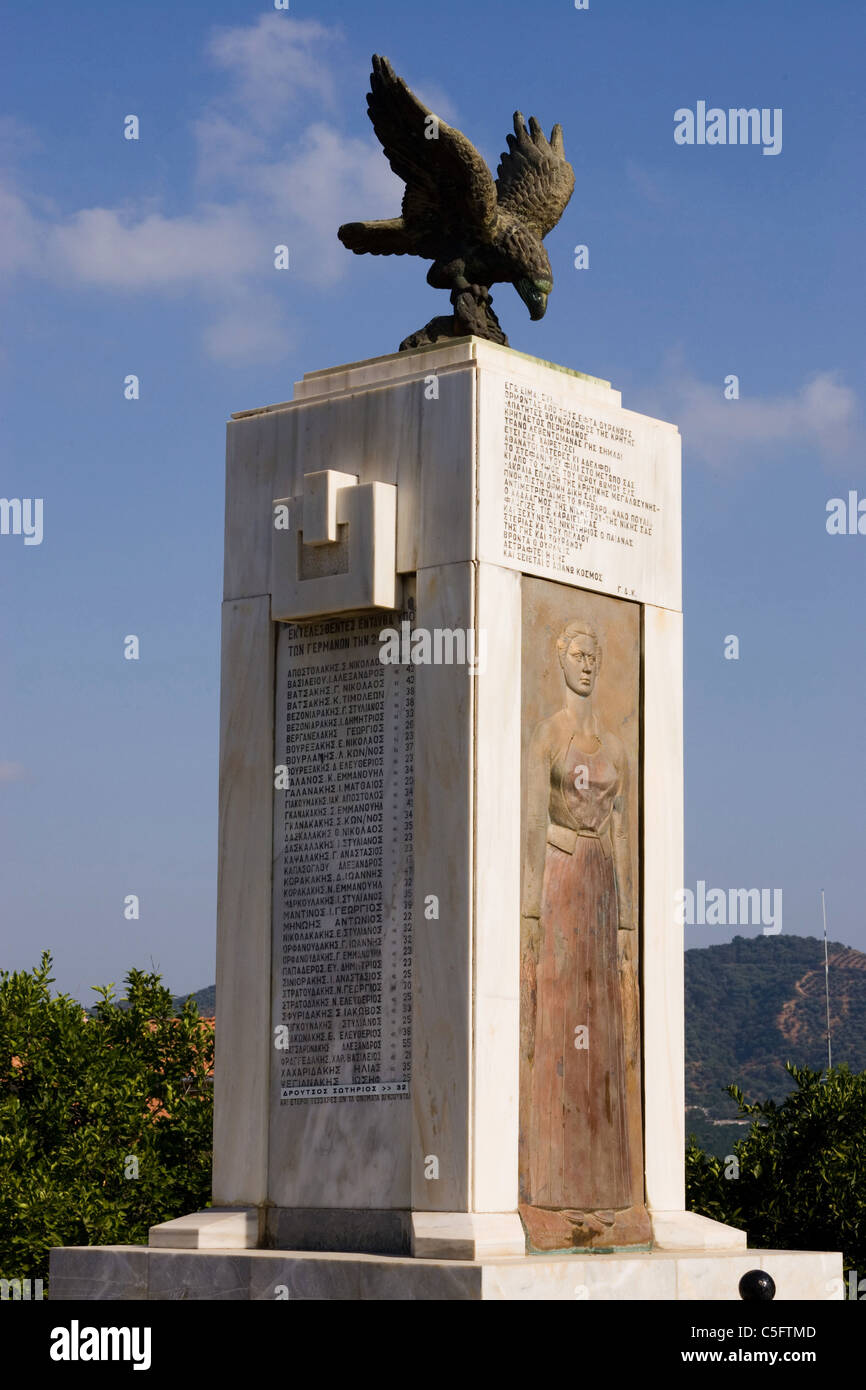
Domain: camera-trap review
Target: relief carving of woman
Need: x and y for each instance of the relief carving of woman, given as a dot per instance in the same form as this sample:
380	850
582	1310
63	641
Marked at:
581	1170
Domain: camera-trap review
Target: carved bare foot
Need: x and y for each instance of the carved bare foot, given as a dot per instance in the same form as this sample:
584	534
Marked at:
588	1224
564	1229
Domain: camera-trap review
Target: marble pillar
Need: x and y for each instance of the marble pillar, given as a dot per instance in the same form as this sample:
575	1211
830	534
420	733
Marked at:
449	966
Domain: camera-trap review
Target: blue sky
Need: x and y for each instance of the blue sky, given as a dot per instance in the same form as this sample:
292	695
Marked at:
155	257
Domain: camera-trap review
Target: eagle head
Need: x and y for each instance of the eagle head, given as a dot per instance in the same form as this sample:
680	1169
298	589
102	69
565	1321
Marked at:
533	279
534	291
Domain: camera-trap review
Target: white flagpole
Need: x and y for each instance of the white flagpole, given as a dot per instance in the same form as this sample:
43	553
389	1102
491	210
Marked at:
826	981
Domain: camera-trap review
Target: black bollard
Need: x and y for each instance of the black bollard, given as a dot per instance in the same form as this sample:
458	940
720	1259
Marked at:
756	1286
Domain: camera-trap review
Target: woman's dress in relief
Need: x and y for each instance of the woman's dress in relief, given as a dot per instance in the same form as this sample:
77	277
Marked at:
580	1121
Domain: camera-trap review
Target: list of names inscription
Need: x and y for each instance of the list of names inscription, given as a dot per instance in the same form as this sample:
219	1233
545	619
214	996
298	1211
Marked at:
343	892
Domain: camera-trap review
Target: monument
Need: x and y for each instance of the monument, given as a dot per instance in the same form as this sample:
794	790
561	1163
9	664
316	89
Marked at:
449	967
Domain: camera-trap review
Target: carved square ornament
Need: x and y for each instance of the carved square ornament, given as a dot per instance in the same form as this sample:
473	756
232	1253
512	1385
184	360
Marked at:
333	548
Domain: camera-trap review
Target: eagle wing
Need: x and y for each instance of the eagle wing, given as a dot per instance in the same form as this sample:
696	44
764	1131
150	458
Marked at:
449	188
534	178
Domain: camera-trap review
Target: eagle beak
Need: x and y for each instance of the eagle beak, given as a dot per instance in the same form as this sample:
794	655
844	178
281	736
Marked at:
534	298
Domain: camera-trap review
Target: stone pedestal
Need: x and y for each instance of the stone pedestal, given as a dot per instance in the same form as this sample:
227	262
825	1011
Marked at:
369	957
136	1272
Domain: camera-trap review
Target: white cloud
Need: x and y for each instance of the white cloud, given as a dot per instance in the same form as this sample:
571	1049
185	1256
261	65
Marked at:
225	149
19	244
438	101
823	414
104	246
259	183
330	180
830	411
275	65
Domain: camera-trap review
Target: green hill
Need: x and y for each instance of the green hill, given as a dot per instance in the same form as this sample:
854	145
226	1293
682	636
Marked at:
205	999
753	1004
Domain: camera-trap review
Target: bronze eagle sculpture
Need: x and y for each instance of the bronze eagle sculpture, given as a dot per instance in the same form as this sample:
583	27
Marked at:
477	232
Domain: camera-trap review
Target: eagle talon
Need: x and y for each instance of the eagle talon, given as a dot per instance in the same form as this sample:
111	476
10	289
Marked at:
479	293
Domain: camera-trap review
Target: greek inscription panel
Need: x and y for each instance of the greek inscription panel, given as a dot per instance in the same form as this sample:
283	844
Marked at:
589	495
343	863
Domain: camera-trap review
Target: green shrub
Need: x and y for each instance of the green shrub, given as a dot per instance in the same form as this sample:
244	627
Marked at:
105	1121
801	1181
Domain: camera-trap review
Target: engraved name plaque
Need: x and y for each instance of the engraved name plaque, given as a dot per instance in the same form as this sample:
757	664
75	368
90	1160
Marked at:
342	864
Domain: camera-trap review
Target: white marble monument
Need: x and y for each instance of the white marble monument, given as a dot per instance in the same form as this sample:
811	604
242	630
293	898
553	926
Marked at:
368	1042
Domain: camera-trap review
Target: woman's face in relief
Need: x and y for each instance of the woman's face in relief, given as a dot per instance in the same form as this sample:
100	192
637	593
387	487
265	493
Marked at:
580	664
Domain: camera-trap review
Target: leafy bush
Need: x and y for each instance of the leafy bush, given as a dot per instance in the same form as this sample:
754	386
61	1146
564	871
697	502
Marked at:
105	1121
802	1168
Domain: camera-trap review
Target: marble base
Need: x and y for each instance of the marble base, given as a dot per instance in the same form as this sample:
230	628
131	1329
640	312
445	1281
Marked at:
132	1272
686	1230
466	1235
214	1229
440	1235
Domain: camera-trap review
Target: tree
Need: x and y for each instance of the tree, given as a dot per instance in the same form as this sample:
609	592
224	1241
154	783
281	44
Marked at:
798	1181
105	1121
